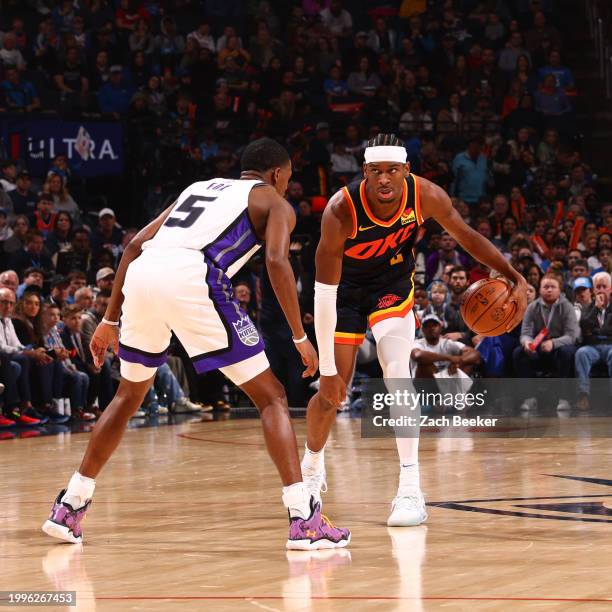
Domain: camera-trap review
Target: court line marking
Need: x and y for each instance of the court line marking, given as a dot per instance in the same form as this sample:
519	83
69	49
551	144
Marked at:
344	598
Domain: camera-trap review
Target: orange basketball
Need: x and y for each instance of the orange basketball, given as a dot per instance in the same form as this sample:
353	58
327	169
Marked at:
482	306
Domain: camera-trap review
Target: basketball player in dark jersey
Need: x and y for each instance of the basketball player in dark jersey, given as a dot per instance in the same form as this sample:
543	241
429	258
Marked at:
364	276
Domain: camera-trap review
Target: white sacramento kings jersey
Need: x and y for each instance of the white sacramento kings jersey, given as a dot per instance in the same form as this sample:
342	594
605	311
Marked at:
212	217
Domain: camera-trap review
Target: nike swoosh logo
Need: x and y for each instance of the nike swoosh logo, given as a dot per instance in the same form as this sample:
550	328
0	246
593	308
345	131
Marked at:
363	229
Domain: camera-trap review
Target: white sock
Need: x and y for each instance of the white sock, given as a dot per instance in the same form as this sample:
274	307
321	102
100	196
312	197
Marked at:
79	490
296	498
408	450
409	481
313	462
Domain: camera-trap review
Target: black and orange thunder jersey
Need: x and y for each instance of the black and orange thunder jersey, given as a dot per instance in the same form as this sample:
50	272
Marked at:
380	252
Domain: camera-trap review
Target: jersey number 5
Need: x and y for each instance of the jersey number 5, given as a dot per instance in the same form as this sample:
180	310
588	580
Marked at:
189	208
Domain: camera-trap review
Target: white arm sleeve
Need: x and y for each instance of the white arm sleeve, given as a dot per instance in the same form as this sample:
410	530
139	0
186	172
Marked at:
325	318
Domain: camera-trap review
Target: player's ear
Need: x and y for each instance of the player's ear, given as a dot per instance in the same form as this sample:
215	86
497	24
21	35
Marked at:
407	169
275	175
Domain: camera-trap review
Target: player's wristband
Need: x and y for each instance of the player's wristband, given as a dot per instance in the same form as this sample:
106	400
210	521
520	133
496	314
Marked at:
300	340
112	323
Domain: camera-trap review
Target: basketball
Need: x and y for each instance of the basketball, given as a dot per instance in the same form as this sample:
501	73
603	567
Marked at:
482	306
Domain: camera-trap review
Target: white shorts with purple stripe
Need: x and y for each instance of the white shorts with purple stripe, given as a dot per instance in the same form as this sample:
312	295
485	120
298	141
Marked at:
180	291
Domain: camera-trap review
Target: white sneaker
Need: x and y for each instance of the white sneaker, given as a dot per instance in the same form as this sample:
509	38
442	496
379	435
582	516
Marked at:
408	510
316	483
141	413
563	405
58	406
183	405
531	403
67	407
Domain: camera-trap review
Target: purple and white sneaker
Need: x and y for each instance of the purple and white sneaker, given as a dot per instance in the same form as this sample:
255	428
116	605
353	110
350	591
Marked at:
64	522
316	532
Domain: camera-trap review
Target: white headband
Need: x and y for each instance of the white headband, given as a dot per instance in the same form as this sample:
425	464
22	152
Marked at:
385	154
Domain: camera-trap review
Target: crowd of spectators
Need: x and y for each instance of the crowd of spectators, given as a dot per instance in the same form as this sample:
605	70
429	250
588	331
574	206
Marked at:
478	90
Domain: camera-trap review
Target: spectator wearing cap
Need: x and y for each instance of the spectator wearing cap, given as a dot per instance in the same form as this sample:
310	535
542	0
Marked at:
55	185
107	235
43	218
31	255
9	174
432	355
105	277
471	172
583	294
20	95
32	277
115	95
59	290
596	327
23	198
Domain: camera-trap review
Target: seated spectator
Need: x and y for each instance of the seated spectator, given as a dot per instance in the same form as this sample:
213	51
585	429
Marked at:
510	54
548	337
344	165
583	295
5	229
77	257
60	236
10	55
17	359
19	95
31	255
84	298
169	44
596	327
446	255
62	200
234	50
563	75
9	176
551	100
59	290
115	95
335	87
77	280
203	36
364	82
16	242
337	20
105	277
23	198
43	218
32	277
434	356
77	382
107	235
438	304
72	81
471	172
9	280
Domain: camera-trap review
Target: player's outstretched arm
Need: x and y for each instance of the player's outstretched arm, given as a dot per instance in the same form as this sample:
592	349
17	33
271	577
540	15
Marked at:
280	224
335	229
108	335
435	203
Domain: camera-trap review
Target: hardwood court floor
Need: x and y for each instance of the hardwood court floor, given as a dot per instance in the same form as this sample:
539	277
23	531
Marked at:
189	518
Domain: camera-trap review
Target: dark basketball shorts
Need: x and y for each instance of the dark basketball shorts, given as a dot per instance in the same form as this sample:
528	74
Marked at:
360	306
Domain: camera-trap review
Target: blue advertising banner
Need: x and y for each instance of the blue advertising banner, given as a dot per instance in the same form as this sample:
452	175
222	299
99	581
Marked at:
93	148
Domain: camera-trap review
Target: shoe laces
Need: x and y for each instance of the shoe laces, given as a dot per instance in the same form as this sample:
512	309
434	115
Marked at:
316	480
410	499
326	520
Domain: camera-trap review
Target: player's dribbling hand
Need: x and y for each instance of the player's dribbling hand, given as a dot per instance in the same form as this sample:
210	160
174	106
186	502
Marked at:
309	358
332	389
104	336
519	297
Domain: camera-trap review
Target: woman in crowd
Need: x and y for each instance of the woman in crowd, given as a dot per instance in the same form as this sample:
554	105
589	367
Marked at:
62	200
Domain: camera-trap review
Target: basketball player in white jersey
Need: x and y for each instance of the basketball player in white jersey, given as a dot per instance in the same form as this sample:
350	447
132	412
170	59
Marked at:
175	277
364	276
